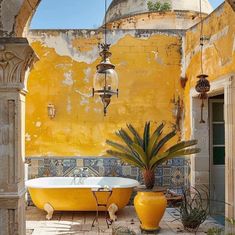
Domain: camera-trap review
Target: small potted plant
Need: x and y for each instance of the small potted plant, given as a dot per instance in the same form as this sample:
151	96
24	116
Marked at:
146	153
194	208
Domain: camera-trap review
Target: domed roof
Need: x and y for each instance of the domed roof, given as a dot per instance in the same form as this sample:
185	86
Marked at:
123	8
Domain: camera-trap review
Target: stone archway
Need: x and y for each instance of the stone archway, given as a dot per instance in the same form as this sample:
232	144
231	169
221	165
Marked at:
15	16
16	57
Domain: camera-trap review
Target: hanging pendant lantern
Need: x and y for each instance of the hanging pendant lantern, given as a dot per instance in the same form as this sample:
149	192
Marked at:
106	79
202	87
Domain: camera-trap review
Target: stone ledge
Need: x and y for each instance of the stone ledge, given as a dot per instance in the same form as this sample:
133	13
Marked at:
13	195
14	40
10	203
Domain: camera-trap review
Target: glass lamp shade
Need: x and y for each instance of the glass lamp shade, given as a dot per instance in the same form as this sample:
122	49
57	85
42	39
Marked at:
106	82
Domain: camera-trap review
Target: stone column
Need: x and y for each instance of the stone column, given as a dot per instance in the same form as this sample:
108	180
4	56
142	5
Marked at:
16	57
229	109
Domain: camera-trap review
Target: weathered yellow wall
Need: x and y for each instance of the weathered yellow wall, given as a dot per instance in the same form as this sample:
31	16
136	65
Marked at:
157	20
218	54
149	68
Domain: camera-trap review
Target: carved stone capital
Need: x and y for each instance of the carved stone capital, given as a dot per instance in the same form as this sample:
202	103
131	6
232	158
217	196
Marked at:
16	59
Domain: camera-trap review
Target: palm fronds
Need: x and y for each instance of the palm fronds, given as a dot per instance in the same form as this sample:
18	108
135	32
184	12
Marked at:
147	152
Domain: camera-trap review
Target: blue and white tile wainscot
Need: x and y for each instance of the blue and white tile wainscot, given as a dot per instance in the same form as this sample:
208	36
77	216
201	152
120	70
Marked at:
173	174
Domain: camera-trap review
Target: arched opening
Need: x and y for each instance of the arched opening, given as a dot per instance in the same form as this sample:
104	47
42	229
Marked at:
25	13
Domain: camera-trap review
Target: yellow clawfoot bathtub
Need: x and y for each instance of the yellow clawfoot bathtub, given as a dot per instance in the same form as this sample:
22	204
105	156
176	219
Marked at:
75	194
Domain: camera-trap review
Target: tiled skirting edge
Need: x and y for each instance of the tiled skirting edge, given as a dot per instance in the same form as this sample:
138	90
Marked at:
174	174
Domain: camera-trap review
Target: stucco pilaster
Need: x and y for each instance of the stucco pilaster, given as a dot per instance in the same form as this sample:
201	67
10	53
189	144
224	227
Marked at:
229	107
16	57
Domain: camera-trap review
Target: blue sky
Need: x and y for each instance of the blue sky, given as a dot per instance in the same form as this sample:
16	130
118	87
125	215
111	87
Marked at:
74	14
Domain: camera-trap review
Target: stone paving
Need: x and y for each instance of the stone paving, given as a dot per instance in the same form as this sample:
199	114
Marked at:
73	223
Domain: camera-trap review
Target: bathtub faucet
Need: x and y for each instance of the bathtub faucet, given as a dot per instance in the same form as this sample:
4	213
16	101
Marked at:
81	172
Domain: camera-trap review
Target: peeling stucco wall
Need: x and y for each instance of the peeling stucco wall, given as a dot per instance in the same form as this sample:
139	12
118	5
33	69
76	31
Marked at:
148	63
180	20
218	53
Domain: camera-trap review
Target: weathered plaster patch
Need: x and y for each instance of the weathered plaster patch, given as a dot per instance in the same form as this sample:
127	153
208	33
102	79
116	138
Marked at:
38	124
27	137
62	42
219	11
87	95
63	66
234	43
115	36
123	63
69	105
97	110
87	73
62	45
46	53
87	109
68	78
219	35
157	58
213	39
183	65
84	100
98	100
84	32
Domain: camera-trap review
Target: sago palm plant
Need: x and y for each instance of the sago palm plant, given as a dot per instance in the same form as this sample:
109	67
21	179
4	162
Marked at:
148	152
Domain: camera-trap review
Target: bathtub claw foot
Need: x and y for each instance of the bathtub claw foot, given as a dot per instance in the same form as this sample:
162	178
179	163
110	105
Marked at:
112	209
49	209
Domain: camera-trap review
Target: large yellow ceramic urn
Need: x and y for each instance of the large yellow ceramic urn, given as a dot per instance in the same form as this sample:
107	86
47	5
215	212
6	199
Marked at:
150	207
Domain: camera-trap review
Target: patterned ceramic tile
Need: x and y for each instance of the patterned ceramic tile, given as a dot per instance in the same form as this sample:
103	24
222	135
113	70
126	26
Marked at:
159	181
177	175
40	162
166	181
166	171
159	172
134	171
126	170
178	162
79	162
174	173
40	172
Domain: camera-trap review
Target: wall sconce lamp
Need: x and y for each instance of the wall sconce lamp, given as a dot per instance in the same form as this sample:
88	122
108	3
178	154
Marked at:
51	111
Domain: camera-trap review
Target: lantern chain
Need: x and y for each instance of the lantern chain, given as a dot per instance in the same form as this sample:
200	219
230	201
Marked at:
203	84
